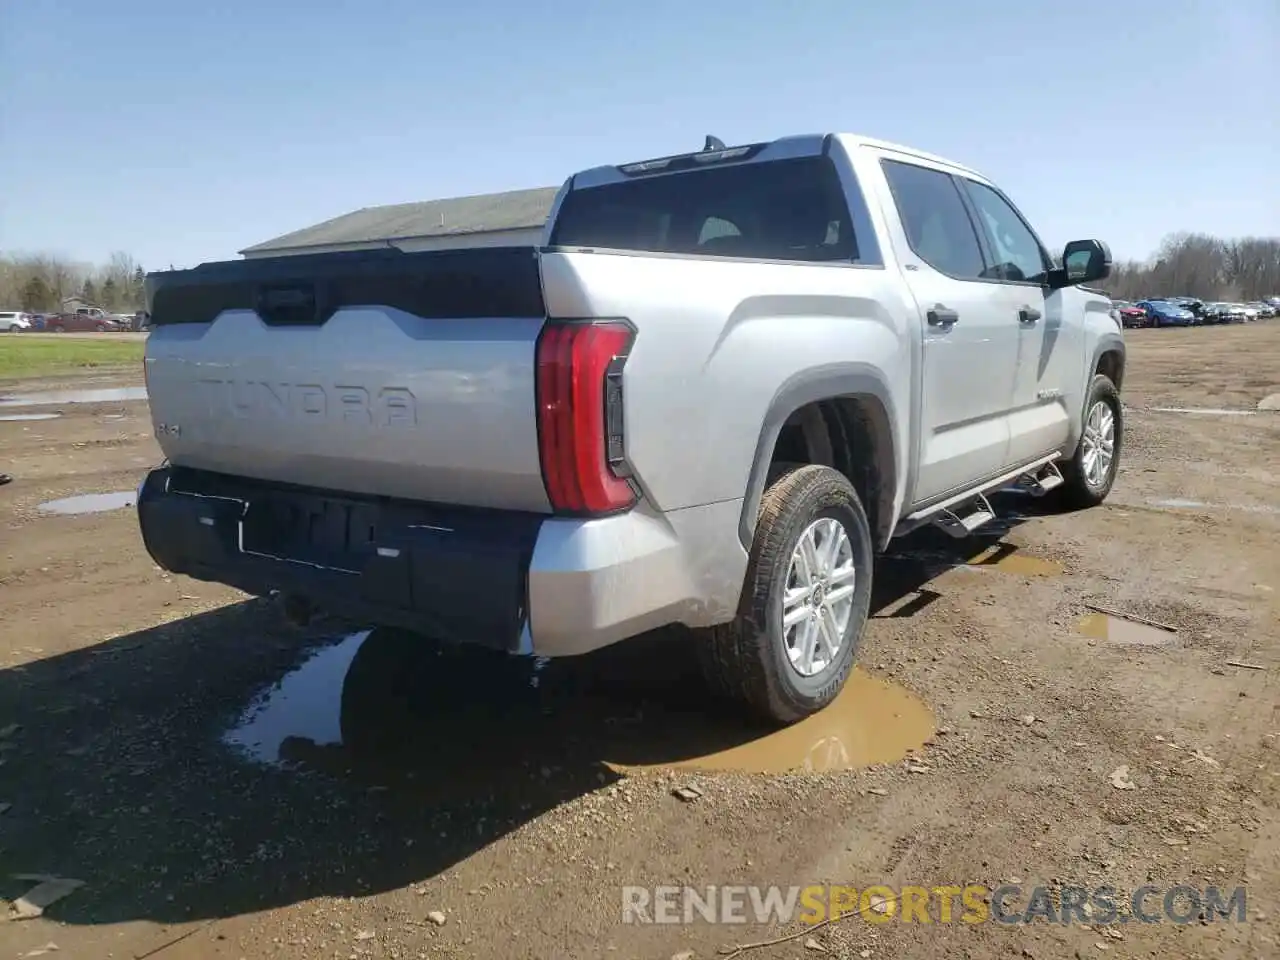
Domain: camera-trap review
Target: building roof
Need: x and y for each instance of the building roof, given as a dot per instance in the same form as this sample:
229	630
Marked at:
483	213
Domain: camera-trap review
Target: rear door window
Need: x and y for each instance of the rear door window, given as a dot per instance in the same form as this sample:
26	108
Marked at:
938	226
776	210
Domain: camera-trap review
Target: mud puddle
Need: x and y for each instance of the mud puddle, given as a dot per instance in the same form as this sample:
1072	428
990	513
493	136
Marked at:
1125	632
872	721
302	704
100	395
1004	557
396	706
90	503
22	417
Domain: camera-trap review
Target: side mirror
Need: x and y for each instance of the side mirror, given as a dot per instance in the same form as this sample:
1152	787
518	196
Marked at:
1083	261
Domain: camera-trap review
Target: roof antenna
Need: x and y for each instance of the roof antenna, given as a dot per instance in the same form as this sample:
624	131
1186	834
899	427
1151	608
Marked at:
713	143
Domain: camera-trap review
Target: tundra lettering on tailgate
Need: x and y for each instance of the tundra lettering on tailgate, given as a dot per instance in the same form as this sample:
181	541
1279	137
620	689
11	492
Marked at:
391	407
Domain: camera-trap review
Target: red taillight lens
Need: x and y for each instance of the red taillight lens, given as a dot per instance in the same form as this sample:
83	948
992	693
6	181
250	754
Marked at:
579	393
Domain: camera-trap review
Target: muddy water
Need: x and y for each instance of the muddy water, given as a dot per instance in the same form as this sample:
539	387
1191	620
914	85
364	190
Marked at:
20	417
101	395
1003	557
1102	626
388	701
871	722
1008	560
304	703
90	503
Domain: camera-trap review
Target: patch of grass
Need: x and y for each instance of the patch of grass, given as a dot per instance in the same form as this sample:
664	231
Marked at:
34	355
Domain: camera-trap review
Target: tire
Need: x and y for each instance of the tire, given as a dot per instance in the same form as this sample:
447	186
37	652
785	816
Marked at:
1080	491
59	328
750	659
101	328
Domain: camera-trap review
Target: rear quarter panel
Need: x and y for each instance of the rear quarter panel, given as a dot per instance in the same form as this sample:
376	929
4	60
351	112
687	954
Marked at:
717	342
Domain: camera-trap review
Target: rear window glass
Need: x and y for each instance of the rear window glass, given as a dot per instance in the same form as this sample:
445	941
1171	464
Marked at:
776	210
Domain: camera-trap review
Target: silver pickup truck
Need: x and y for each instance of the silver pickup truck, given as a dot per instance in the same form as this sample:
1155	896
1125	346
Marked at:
719	386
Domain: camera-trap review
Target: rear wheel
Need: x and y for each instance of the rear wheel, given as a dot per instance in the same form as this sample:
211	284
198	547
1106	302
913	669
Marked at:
805	601
59	328
1092	471
101	328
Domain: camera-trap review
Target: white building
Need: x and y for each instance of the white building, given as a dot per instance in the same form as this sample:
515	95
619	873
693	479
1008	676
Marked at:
513	218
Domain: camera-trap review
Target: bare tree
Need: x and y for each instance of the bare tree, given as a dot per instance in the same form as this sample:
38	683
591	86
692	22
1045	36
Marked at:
1201	266
118	282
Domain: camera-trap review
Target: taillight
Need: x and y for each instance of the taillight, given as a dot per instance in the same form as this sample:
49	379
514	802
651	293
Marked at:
580	425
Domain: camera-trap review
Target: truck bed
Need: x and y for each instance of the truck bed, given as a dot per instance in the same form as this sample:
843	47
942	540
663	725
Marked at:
280	370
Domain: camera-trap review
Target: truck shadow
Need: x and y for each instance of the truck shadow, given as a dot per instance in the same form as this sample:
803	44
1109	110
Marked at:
157	767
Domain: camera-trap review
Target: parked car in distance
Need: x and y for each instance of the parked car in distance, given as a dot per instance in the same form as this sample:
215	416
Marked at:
14	321
1130	314
1264	310
1191	305
514	480
1214	313
1163	313
84	320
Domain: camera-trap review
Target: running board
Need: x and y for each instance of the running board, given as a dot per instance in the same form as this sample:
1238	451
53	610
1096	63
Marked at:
965	512
1049	477
960	525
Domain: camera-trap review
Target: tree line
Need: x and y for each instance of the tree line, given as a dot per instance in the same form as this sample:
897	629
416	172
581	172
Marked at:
39	283
1197	265
1184	265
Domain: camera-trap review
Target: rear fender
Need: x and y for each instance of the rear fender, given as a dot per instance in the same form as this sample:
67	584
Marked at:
829	382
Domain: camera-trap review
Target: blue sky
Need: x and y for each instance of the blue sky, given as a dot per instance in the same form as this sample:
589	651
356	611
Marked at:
182	132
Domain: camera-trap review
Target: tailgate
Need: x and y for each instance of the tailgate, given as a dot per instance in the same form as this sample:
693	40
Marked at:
407	375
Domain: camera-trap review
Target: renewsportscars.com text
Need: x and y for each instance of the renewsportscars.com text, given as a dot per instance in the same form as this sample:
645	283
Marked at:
970	904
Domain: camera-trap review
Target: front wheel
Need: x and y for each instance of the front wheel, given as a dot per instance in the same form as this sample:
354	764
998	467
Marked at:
1092	471
805	601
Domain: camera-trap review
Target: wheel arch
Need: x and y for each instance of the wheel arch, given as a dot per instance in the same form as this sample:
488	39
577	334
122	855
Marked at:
1109	358
842	416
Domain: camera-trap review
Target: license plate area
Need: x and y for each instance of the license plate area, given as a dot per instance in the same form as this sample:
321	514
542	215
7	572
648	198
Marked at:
321	531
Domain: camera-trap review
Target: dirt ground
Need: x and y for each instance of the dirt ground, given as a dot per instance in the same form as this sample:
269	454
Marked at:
416	781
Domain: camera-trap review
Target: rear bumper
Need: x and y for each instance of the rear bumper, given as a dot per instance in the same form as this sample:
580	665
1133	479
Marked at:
454	574
512	581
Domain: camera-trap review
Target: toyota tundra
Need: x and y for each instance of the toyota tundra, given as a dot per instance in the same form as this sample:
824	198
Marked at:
719	386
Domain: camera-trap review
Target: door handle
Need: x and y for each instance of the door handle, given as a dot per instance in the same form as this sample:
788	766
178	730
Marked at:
1028	315
941	316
